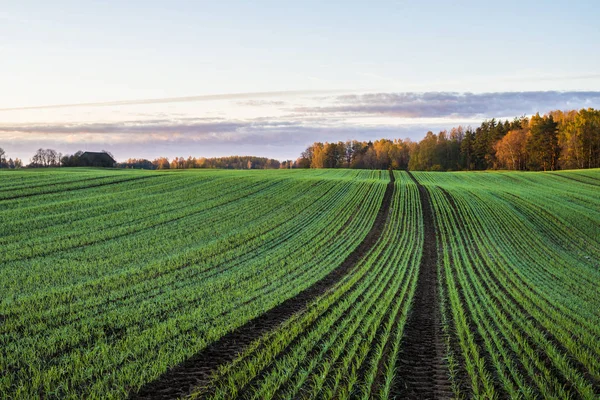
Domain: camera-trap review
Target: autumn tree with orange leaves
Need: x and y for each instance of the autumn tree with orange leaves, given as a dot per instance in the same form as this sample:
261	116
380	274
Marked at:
510	150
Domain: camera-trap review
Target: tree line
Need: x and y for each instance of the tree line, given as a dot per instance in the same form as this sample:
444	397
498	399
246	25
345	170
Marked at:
9	162
231	162
557	140
44	158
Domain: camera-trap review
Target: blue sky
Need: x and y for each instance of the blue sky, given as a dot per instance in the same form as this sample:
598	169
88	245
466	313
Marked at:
314	55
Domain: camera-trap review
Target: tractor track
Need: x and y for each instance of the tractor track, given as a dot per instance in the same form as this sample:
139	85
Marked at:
422	372
198	370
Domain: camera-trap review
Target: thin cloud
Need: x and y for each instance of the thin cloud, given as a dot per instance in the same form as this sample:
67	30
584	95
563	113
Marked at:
128	127
158	130
455	105
257	132
261	103
213	97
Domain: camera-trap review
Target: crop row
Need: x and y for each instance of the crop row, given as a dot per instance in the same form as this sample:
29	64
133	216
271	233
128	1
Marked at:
110	278
347	341
519	278
137	298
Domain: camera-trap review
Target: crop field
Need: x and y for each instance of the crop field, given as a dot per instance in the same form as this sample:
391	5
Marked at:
299	284
520	277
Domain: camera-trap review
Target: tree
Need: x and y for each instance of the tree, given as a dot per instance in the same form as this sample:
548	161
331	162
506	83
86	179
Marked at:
542	144
71	160
358	149
424	156
190	162
177	163
3	163
302	162
383	149
585	139
510	150
399	154
370	157
466	150
45	158
569	140
318	155
453	147
161	163
140	163
348	154
333	155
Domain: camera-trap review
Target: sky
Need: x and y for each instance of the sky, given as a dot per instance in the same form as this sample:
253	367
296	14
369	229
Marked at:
267	78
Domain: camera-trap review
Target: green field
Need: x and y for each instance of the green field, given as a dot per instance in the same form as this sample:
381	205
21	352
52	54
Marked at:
520	276
299	284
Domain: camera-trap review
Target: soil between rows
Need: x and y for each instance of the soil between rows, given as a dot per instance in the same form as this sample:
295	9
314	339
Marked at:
422	373
197	370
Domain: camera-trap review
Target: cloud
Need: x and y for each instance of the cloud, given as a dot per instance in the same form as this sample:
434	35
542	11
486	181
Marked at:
455	105
197	131
261	103
281	140
186	126
366	116
340	117
213	97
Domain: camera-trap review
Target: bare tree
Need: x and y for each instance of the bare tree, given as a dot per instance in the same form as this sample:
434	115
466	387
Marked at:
45	158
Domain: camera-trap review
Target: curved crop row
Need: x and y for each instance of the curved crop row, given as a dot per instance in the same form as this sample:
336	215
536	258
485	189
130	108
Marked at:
345	343
520	283
153	285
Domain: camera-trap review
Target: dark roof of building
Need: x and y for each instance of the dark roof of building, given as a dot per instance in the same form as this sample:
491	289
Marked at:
98	157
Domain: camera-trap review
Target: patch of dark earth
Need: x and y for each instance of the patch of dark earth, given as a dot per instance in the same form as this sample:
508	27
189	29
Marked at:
422	371
198	370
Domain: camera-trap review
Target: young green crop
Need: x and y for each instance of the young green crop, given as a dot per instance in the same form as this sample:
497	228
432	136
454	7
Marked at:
133	278
520	278
108	278
337	346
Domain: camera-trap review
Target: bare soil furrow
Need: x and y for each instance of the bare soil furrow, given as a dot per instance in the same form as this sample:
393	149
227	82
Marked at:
422	373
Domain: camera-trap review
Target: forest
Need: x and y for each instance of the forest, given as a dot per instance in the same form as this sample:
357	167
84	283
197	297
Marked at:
557	140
